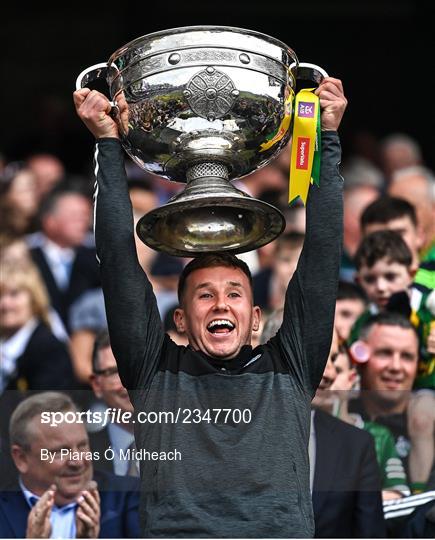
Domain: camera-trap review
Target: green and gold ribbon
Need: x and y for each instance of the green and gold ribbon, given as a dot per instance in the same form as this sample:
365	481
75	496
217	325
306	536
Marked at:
306	145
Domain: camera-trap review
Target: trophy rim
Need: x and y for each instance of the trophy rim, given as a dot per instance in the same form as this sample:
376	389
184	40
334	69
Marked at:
198	28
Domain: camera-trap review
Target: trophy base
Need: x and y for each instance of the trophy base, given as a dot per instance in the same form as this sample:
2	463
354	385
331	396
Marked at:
210	215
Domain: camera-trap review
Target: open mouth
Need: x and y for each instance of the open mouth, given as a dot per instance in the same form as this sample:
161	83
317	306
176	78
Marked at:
220	326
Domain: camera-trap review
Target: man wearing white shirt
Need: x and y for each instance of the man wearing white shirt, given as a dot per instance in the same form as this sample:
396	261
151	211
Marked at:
67	266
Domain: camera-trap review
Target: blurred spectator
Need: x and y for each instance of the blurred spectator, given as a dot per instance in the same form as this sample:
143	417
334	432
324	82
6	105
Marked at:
398	215
48	171
393	476
345	479
270	284
421	424
356	199
417	186
63	497
143	200
267	178
384	267
171	329
108	388
384	272
13	250
360	172
388	356
18	198
350	305
399	151
272	324
164	275
67	267
87	318
32	358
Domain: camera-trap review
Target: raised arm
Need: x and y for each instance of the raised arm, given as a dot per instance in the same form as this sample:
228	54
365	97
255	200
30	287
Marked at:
135	328
306	331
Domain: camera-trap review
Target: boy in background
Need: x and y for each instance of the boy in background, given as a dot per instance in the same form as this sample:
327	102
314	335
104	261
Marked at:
385	271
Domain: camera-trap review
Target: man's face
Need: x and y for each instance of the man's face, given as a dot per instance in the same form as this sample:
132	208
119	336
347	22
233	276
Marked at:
70	220
390	371
403	226
217	312
324	396
347	312
383	279
415	190
107	385
70	476
286	261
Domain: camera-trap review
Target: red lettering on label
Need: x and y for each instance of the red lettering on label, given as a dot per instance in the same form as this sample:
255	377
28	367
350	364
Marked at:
302	152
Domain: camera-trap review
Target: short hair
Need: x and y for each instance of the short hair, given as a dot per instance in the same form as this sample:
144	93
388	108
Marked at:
382	244
28	278
386	318
102	341
293	240
359	172
417	170
211	260
50	201
144	184
31	407
401	139
351	291
386	209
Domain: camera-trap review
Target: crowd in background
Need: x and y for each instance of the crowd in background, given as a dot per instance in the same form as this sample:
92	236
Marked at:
380	376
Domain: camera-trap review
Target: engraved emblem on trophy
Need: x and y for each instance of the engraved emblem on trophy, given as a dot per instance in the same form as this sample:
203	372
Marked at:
206	105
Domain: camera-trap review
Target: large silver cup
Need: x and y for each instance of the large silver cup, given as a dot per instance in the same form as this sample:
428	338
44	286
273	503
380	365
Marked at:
206	105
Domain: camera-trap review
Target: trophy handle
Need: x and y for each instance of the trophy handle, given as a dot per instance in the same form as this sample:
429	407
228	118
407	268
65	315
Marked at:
307	74
93	73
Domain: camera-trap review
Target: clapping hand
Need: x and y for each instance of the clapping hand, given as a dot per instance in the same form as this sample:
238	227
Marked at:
88	512
38	522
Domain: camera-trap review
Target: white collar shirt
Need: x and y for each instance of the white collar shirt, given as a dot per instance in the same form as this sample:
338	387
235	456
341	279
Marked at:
60	261
12	348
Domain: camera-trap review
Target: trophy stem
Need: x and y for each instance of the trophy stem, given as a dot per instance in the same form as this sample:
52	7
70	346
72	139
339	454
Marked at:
207	169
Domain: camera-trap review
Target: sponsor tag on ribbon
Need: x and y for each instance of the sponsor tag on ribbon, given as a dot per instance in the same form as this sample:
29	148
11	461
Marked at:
305	156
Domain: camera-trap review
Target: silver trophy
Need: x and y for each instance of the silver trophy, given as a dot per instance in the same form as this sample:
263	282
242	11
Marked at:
206	105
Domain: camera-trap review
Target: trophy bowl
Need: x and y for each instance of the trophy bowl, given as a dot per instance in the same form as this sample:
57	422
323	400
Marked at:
206	105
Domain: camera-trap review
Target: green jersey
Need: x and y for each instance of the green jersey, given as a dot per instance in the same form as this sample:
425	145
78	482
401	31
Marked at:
392	471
